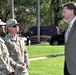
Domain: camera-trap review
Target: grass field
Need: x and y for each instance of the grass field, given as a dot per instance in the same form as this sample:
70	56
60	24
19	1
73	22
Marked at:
51	66
38	51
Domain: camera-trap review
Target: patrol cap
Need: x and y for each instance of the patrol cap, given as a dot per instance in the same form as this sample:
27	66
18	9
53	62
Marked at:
2	23
12	22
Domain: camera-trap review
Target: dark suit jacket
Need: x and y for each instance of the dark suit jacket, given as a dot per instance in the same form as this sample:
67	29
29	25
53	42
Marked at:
70	50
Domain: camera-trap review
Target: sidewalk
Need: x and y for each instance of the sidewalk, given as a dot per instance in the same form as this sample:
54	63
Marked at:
45	57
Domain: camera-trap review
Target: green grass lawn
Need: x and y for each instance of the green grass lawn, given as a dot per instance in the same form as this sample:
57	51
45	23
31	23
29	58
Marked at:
37	51
51	66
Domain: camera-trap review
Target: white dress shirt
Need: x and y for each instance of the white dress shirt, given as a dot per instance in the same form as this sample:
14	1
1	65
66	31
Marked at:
70	26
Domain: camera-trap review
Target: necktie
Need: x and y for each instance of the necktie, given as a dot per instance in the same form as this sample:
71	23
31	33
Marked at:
68	31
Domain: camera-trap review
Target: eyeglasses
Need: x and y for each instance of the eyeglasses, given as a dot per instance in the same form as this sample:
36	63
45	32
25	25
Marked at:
0	25
13	26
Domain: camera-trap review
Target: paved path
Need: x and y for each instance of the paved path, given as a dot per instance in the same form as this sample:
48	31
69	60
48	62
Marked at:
45	57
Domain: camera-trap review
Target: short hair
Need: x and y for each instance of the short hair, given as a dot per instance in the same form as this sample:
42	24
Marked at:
70	6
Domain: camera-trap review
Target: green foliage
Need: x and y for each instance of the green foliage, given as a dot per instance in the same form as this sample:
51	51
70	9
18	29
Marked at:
4	9
45	13
26	12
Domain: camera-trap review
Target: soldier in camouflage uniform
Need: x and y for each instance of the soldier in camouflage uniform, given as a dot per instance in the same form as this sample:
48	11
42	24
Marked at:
16	47
2	29
5	68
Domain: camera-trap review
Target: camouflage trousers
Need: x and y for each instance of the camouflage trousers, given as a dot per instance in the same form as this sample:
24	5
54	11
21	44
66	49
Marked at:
8	74
2	73
17	73
25	72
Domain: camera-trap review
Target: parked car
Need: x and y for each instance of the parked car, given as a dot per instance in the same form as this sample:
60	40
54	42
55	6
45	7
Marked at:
45	33
57	39
26	39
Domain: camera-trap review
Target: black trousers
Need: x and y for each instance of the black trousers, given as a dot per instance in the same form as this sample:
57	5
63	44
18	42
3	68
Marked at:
66	70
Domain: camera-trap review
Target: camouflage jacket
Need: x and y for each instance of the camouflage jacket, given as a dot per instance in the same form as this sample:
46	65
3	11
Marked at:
17	49
5	67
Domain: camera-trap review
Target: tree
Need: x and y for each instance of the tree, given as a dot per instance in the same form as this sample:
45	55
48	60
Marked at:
25	12
4	9
56	6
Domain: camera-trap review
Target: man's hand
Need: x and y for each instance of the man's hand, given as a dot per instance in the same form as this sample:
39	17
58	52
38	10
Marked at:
21	66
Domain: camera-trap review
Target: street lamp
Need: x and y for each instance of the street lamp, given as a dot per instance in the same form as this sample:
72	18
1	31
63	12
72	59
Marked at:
38	19
12	8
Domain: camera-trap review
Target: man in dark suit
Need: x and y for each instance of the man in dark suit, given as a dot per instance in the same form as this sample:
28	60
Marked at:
69	14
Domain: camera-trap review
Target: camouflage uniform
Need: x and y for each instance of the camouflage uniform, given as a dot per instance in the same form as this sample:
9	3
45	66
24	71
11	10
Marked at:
5	67
18	53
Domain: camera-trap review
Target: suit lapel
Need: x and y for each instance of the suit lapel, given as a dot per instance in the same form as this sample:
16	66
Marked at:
71	32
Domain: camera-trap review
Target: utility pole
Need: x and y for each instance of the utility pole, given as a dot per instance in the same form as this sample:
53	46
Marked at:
12	9
38	19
